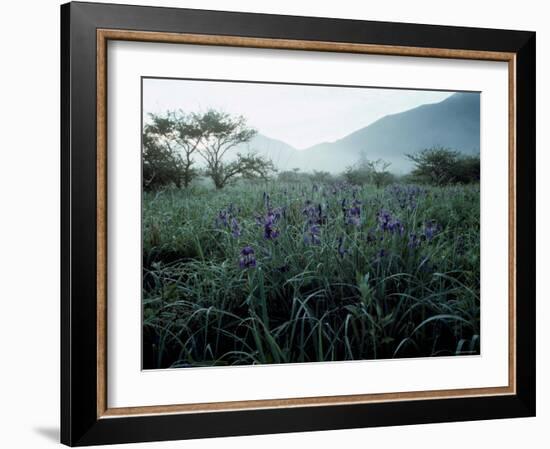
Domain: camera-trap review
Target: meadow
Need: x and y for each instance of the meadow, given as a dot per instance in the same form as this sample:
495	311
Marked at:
302	272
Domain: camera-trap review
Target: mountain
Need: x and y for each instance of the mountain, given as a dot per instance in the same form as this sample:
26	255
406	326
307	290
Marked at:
281	153
453	122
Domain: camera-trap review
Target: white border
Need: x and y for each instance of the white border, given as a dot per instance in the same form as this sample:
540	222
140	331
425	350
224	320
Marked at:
129	386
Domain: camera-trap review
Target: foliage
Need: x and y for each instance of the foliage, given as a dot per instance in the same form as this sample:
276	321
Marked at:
304	272
467	169
291	176
159	164
321	176
223	132
296	176
369	172
443	166
169	141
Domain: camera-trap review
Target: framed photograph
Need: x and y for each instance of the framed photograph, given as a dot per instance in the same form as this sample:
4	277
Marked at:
282	224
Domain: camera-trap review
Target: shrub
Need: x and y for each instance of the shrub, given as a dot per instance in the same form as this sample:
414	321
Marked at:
369	172
442	166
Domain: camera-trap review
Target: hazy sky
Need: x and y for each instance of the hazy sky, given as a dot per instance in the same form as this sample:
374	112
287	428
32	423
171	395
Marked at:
301	116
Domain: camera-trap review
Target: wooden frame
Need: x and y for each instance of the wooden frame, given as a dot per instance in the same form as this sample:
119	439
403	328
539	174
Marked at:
87	28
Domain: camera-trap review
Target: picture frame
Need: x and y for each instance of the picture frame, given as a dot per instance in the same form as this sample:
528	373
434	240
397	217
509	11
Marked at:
86	29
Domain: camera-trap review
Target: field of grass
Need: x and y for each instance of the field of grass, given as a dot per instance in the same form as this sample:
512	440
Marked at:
284	273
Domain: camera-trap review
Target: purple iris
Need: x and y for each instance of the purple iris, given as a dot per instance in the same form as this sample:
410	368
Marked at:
270	231
414	241
226	218
430	229
384	220
269	222
314	214
387	223
235	228
353	215
247	258
407	195
222	220
311	236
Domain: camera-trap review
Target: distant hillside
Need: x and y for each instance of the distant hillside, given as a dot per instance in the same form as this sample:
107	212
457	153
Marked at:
453	122
278	151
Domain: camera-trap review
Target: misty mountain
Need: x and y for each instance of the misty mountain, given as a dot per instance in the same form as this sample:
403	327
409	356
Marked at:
282	154
453	122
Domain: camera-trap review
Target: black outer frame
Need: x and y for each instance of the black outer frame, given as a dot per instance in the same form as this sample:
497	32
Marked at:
79	422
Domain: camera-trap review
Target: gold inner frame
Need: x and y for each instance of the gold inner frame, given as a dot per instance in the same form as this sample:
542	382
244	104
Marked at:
104	35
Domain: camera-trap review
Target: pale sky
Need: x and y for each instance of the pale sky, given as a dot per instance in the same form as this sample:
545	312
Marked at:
299	115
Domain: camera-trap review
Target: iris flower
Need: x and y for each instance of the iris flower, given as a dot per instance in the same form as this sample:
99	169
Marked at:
387	223
235	228
247	258
430	229
311	237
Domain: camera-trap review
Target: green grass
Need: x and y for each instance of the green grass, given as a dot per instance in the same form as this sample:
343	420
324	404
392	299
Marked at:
359	292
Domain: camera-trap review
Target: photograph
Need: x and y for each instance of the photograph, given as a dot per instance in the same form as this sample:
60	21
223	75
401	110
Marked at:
274	224
297	223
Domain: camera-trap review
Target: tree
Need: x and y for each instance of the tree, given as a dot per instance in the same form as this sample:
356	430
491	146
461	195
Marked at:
379	172
177	136
222	132
321	176
369	172
249	166
292	176
467	169
160	166
441	166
